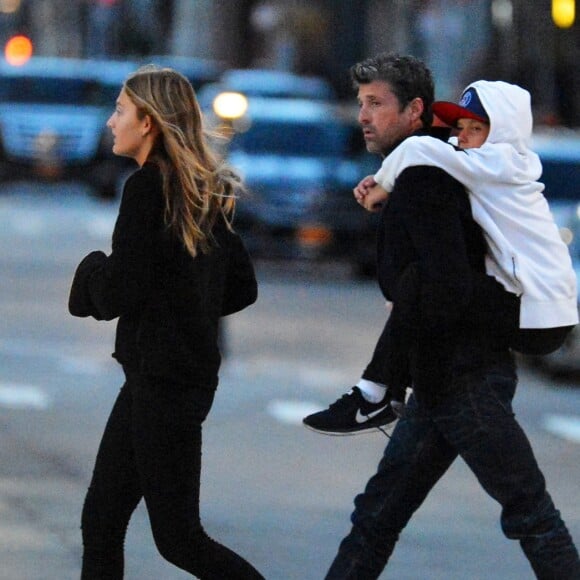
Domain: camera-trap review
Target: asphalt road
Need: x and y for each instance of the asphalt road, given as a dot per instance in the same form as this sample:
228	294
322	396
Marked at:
273	491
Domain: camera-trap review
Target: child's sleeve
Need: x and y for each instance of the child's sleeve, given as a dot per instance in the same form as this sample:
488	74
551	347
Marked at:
493	163
388	173
413	152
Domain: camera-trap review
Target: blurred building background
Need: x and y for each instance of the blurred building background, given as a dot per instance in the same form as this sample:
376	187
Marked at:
462	40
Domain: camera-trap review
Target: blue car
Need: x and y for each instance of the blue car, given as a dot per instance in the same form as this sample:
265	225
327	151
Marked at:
268	83
53	114
567	358
300	160
560	155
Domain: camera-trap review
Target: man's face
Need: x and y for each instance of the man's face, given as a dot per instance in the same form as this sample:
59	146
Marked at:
380	116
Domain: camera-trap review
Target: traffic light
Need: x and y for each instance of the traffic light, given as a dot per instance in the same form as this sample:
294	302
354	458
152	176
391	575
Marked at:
18	50
563	13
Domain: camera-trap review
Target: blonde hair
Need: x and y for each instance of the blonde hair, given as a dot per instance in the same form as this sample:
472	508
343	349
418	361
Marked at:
197	187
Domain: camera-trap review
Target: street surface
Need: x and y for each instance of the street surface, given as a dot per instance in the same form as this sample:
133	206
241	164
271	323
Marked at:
275	492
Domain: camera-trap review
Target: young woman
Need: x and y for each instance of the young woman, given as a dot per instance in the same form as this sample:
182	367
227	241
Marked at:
175	268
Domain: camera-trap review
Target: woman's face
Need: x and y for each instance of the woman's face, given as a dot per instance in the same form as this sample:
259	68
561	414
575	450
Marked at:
132	137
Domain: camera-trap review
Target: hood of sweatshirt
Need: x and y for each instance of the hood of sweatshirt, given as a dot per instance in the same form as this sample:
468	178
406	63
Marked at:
509	108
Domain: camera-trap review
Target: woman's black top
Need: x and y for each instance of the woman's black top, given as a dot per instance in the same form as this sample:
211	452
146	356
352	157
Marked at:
168	303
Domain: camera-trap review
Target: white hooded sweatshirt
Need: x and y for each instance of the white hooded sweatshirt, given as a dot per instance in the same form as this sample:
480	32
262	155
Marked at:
526	254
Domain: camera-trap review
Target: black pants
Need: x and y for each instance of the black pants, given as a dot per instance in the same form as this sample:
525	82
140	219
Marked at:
478	424
151	449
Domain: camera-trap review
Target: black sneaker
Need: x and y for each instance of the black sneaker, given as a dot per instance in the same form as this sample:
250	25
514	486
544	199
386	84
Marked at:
350	415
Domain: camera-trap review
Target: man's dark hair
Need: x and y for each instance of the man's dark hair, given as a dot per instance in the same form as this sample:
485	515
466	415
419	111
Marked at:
407	76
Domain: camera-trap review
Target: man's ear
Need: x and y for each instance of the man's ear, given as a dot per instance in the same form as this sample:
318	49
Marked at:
416	108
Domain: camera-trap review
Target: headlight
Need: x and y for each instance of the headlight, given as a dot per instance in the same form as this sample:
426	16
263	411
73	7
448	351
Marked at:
314	235
230	105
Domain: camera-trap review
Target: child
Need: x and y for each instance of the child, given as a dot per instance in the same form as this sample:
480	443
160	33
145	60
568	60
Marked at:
526	254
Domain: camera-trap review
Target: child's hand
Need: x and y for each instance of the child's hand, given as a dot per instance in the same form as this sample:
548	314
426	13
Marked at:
363	187
369	194
374	198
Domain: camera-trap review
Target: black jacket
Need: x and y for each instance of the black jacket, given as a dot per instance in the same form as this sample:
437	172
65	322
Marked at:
167	302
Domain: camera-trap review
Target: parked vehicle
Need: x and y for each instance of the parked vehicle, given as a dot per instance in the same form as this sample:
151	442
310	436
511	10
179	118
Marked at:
198	71
53	114
300	160
567	358
560	155
269	83
559	151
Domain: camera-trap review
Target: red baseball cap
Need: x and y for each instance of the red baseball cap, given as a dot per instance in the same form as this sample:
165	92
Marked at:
469	107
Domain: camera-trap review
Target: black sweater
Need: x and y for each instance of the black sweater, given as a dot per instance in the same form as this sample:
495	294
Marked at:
167	302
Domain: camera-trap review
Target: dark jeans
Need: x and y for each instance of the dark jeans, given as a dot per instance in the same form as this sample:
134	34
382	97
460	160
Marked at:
478	424
151	449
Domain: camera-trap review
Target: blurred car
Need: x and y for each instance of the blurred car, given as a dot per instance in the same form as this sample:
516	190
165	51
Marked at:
559	151
53	114
268	83
560	155
300	160
198	71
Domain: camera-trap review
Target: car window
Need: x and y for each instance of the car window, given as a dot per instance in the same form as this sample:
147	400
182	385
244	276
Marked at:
561	178
310	139
277	84
43	90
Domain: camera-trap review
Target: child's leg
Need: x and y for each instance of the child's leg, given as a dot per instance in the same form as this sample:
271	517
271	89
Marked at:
390	362
540	341
494	309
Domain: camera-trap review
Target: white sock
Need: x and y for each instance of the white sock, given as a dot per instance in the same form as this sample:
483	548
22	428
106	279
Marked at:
372	392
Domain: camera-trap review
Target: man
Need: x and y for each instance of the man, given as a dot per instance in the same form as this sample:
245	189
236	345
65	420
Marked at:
465	410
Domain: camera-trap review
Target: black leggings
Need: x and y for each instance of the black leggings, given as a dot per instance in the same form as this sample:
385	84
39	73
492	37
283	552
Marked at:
151	449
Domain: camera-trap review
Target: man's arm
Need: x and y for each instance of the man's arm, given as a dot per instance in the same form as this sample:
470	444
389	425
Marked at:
241	288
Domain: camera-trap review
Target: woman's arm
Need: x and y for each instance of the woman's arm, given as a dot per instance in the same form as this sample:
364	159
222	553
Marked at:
79	301
241	286
122	281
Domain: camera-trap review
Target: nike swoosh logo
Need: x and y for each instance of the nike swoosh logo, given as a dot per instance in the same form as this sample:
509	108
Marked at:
360	418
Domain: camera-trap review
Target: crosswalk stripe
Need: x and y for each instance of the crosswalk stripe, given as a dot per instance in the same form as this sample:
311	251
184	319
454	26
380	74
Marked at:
16	396
291	412
564	426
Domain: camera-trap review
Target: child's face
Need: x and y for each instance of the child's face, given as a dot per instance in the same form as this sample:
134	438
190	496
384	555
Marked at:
471	133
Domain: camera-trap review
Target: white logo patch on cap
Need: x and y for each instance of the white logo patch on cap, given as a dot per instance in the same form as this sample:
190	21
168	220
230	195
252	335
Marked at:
465	100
